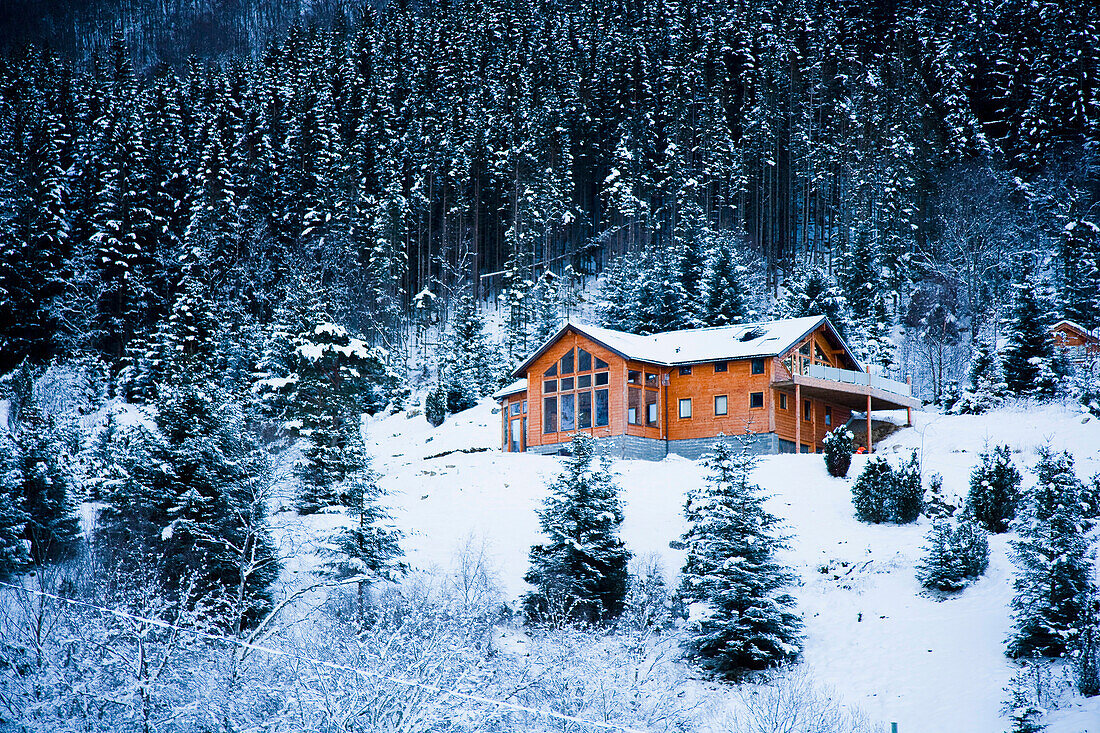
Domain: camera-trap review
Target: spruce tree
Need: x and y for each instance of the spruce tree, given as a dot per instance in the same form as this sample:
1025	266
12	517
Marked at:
743	619
954	555
369	548
906	499
435	405
812	292
580	571
986	387
546	307
839	446
1054	573
14	557
724	290
1029	346
469	368
871	491
994	490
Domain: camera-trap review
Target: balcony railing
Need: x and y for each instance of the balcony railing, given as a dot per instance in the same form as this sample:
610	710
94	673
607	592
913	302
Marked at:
847	376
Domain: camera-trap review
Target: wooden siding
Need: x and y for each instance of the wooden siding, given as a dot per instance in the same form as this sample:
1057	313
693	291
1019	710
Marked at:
704	384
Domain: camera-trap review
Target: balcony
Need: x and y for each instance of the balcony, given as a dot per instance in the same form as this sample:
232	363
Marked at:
866	379
855	390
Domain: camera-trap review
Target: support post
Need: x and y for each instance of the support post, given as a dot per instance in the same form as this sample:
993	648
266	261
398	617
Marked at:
870	440
909	410
797	418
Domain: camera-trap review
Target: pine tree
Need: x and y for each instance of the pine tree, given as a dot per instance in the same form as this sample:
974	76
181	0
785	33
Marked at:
871	491
580	571
811	292
469	368
43	490
435	405
742	617
1029	346
906	499
953	555
994	490
13	521
369	548
546	307
986	382
1086	667
1053	581
1080	259
724	289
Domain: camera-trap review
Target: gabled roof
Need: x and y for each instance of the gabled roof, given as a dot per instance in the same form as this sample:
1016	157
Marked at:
520	385
722	343
1090	335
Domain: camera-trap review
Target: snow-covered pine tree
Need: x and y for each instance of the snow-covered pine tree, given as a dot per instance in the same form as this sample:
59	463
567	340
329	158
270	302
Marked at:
907	496
618	300
1086	662
1029	346
14	557
839	446
369	548
987	387
812	292
1054	573
871	490
723	293
435	405
580	571
742	618
1080	276
546	308
994	489
469	367
954	555
43	489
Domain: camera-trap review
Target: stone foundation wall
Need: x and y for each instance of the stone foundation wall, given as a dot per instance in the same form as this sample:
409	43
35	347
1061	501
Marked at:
653	449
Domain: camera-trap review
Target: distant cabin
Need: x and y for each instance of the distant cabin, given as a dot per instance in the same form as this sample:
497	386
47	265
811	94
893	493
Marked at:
784	384
1079	345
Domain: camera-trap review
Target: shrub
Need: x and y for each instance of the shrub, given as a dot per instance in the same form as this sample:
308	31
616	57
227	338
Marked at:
907	498
954	555
881	494
839	447
994	490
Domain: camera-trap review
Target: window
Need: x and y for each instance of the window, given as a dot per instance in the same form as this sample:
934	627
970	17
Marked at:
807	410
584	410
584	361
650	380
634	377
516	408
721	405
567	414
721	366
600	363
566	383
651	408
525	407
516	436
567	363
757	366
756	400
820	355
685	407
685	370
601	408
550	415
782	402
550	385
804	349
828	415
634	406
601	378
584	381
552	371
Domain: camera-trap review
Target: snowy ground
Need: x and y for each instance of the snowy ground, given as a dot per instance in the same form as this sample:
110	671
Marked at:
930	665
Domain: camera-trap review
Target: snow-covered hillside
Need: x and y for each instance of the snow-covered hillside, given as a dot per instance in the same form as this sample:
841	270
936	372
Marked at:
900	655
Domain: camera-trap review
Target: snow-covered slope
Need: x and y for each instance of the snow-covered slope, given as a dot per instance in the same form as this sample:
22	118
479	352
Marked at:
931	665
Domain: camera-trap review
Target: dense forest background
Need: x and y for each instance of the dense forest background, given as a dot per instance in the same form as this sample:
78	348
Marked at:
905	162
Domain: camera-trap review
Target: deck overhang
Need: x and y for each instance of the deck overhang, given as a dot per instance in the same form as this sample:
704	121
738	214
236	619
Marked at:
852	396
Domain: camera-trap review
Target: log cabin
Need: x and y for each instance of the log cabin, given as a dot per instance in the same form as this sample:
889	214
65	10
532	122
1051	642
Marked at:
1076	343
781	385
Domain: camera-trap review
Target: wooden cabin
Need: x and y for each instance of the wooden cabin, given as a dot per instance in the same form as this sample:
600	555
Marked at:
1080	346
782	384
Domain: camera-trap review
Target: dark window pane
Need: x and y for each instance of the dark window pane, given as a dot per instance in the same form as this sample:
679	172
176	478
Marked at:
756	399
601	378
600	363
584	361
515	408
566	383
828	415
807	410
782	402
650	379
651	408
552	371
804	349
685	370
584	381
634	406
550	385
567	415
634	377
584	410
601	408
757	366
567	363
721	366
550	415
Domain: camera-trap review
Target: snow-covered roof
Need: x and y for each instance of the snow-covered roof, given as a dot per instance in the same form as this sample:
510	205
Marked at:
520	385
1077	327
741	341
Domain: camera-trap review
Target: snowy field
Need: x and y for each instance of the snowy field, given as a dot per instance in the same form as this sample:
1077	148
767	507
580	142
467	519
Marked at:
932	666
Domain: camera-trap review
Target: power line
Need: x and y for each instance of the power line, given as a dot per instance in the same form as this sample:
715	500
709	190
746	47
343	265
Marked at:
515	707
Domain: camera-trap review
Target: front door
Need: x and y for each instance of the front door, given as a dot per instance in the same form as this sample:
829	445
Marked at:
515	443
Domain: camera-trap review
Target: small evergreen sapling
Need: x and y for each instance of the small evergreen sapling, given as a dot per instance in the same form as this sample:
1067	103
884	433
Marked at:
871	490
742	620
994	490
1086	663
907	498
435	406
955	555
839	446
580	571
987	386
14	557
